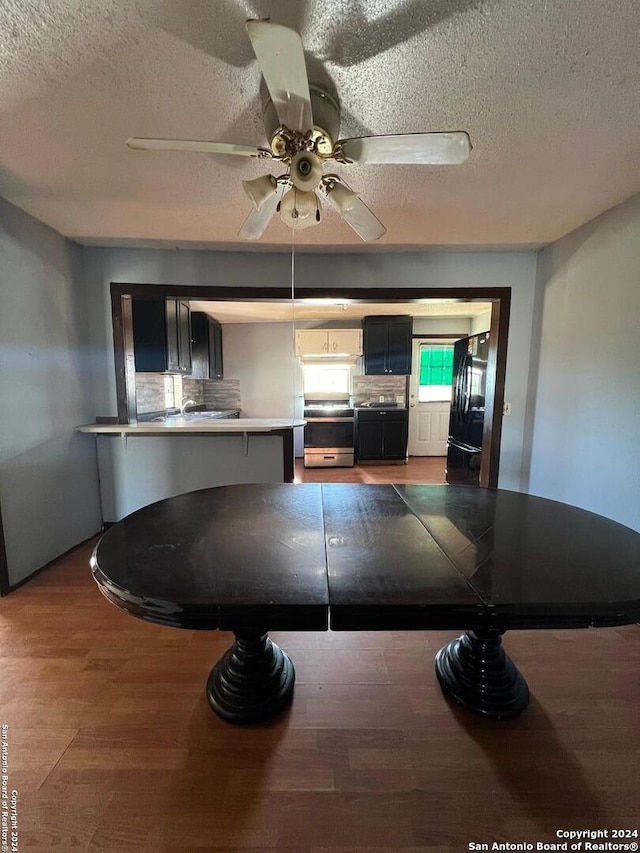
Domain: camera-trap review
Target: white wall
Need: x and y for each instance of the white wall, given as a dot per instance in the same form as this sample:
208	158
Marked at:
441	326
261	356
585	419
48	472
419	270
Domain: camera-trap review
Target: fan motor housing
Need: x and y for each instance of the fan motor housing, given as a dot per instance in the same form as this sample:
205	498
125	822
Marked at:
326	123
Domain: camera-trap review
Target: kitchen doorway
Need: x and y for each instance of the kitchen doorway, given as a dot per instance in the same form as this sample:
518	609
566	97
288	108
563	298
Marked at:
123	293
430	395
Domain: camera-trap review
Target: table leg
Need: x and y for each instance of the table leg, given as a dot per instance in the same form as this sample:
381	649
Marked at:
252	681
476	672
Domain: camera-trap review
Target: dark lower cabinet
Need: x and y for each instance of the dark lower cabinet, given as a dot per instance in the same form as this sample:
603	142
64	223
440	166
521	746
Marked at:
381	434
161	336
387	345
206	347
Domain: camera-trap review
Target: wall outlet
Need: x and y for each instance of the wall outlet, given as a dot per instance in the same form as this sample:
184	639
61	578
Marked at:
506	409
381	398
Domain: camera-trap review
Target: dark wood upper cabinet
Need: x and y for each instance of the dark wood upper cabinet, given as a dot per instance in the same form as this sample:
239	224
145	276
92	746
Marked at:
161	335
387	345
206	347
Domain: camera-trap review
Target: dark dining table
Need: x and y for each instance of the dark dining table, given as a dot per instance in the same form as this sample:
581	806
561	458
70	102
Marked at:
348	557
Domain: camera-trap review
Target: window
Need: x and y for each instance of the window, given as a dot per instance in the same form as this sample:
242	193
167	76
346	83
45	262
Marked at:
436	372
326	378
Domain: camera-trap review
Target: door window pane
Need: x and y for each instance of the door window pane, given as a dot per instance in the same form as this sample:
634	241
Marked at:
436	372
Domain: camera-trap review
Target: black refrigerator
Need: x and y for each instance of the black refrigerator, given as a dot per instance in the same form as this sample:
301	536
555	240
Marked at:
466	421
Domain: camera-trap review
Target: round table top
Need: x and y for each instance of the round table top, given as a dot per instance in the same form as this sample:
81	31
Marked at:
376	557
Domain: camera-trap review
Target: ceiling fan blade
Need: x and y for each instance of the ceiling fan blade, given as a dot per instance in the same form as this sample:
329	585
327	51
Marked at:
419	148
197	145
254	225
280	55
364	222
359	217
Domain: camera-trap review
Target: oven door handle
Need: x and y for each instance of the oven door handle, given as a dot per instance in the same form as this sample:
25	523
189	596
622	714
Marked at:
329	420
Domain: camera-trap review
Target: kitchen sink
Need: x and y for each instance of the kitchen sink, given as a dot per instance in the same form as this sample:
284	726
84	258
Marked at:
197	416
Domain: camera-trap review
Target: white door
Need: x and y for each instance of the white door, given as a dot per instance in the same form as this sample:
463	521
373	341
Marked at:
429	417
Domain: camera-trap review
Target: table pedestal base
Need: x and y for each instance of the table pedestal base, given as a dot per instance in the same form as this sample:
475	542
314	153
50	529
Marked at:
476	672
252	681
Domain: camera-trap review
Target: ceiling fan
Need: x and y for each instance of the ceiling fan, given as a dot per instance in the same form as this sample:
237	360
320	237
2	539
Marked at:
302	125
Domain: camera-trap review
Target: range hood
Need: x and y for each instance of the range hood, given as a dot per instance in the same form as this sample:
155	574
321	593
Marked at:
328	359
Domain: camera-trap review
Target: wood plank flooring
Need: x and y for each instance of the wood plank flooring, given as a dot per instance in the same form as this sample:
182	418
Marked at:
419	469
112	746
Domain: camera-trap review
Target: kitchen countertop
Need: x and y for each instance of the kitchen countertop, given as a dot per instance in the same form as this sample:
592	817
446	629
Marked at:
376	407
177	426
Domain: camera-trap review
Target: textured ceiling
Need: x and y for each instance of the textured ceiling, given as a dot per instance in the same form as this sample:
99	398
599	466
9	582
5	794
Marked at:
547	90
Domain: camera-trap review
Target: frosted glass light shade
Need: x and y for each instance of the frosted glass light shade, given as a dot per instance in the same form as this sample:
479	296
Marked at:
254	225
341	198
299	209
260	189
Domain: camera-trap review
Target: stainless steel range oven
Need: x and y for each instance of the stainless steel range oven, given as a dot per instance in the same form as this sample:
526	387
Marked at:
328	433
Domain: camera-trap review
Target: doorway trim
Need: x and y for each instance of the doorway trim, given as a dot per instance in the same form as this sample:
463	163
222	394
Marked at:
5	586
499	297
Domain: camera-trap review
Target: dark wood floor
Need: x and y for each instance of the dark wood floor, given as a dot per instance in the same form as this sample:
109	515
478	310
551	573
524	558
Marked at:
419	469
112	746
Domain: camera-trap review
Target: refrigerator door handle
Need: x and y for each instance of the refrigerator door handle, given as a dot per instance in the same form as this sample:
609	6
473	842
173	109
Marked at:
460	385
467	391
466	388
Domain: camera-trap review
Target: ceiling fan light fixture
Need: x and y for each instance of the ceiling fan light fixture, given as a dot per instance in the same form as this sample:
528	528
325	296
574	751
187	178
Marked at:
302	124
306	170
341	198
260	190
299	209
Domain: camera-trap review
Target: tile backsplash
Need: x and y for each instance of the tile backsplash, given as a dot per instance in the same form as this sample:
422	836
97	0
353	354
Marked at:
222	393
156	392
369	389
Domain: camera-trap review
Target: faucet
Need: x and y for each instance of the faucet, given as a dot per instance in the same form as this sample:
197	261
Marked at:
186	401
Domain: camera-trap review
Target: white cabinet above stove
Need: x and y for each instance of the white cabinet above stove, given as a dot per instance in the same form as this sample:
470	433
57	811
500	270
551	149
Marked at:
328	343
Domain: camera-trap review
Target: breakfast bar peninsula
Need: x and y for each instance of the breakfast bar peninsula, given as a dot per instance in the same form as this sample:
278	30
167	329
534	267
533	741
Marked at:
149	461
